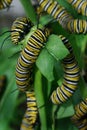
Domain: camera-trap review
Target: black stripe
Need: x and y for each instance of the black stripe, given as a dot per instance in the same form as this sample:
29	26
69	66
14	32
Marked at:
67	73
68	80
36	39
64	94
68	88
54	8
58	97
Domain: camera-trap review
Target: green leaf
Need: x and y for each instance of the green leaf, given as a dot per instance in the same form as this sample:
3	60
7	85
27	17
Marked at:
65	110
56	47
65	124
7	67
58	70
45	63
76	98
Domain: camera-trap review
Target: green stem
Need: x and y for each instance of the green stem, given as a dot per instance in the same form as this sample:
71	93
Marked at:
83	88
29	10
53	116
40	100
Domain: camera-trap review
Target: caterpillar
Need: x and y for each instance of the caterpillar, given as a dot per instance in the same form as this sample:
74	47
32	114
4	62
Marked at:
77	26
71	76
63	17
80	6
28	57
31	115
56	10
5	3
80	116
19	29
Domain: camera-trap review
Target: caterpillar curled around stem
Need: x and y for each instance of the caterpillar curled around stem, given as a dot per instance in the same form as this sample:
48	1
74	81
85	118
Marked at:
31	115
80	116
80	6
70	79
28	57
5	4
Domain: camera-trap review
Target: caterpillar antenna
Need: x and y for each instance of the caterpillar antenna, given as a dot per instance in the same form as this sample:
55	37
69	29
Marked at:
14	54
8	8
4	41
5	33
38	21
14	90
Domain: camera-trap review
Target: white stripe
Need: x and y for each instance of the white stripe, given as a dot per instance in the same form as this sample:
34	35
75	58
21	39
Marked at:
26	61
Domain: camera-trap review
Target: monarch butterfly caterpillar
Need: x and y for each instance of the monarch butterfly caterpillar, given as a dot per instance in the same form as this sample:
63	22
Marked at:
28	57
77	26
19	29
57	11
70	79
5	3
31	115
80	6
80	116
63	17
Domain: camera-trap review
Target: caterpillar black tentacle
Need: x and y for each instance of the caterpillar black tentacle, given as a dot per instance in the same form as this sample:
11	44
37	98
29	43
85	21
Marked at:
20	27
4	42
